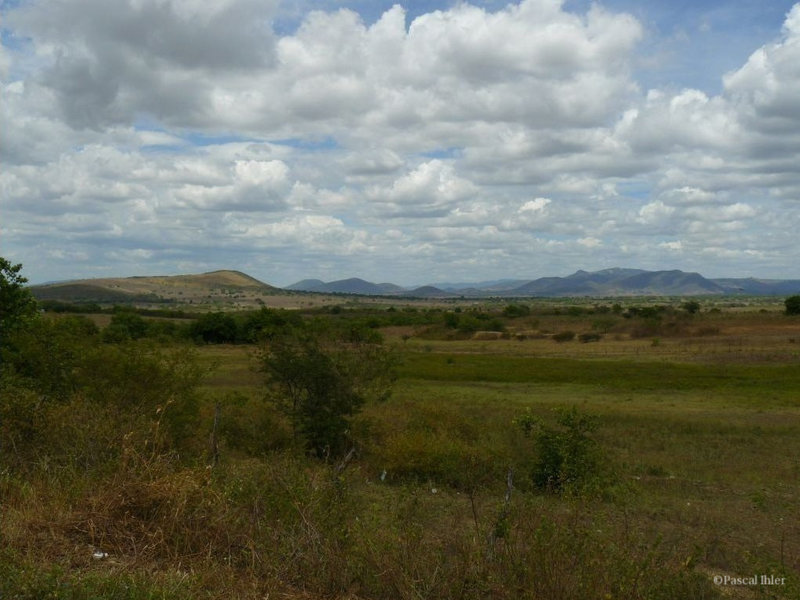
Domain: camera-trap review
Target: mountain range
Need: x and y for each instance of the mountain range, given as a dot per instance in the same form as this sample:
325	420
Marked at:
241	290
605	283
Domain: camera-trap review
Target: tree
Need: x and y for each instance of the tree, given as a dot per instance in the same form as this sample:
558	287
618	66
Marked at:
320	381
125	325
691	307
568	457
792	305
215	328
17	304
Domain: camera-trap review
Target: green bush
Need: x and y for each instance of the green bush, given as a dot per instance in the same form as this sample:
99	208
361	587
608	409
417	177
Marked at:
567	457
67	399
17	305
564	336
516	310
252	426
215	328
125	325
792	304
321	380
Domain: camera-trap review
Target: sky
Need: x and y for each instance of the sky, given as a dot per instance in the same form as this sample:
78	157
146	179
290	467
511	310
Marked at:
407	143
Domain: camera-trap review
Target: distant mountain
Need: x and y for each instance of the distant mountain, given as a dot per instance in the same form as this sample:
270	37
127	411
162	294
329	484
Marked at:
391	288
203	287
621	282
604	283
227	287
354	285
493	285
427	291
306	285
670	283
759	287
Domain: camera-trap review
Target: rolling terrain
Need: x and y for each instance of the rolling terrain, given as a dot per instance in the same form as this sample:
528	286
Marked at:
227	287
234	289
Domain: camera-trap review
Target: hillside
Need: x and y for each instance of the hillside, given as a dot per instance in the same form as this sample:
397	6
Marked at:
216	287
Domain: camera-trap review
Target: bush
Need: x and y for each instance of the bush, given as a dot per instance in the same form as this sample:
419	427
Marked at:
319	382
568	458
125	325
215	328
691	307
792	304
72	401
564	336
17	305
590	337
516	310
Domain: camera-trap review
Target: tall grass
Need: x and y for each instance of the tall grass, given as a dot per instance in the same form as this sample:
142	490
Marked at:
700	467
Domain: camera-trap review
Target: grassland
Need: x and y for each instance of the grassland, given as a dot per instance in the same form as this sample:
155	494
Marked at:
698	431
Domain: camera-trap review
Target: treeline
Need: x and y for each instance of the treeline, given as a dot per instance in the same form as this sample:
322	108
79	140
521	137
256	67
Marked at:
248	327
227	327
86	308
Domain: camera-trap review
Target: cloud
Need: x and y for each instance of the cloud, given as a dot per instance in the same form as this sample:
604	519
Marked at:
768	85
432	189
107	63
151	132
256	185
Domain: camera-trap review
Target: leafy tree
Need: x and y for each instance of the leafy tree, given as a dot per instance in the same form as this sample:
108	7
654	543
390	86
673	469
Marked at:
215	328
451	320
691	307
516	310
320	381
125	325
17	304
792	305
568	457
267	323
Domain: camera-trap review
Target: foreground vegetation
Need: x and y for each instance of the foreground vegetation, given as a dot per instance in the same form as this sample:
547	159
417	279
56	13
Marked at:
149	462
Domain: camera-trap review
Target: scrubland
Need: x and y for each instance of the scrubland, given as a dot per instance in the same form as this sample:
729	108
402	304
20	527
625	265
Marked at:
158	468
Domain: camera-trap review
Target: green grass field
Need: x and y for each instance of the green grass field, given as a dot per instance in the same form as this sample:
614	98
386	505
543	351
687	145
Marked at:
703	457
697	481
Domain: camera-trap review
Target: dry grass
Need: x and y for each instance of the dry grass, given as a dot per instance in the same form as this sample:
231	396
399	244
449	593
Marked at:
700	437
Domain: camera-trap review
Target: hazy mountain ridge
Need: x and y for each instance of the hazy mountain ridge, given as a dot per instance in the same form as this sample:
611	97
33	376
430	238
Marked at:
222	286
604	283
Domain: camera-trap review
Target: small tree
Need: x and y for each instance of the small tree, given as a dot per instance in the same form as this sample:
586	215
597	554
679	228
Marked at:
215	328
125	325
792	305
691	307
17	304
568	458
320	382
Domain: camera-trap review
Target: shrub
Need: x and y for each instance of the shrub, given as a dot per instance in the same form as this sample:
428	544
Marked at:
564	336
125	325
319	382
568	458
215	328
691	307
590	337
516	310
72	399
792	304
17	305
